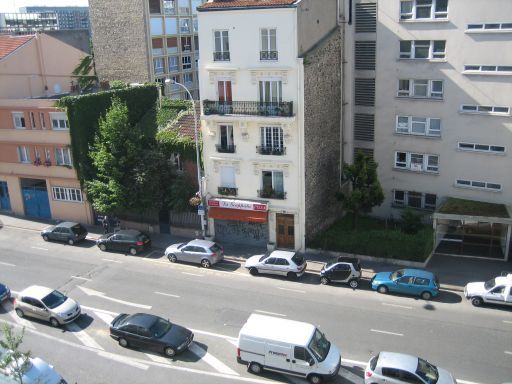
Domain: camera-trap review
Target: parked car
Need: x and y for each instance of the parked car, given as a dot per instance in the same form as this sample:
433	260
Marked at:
494	291
399	368
197	251
5	292
342	270
284	263
125	240
150	332
409	281
35	371
46	304
66	231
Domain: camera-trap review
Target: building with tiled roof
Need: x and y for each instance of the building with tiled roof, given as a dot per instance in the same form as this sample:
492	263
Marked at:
8	44
237	4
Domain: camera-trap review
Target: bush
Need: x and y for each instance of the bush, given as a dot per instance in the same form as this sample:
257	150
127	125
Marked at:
410	221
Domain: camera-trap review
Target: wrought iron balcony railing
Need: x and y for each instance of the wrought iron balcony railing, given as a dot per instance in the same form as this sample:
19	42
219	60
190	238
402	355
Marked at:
271	194
271	151
221	56
225	148
251	108
268	55
227	191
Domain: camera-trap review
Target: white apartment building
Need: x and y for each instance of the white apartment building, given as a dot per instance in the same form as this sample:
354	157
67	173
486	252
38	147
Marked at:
268	143
430	98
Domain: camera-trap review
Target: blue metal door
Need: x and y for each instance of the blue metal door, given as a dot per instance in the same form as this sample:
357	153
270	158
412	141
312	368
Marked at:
5	202
36	202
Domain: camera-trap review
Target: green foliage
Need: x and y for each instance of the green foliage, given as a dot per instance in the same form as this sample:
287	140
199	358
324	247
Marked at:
378	238
13	358
179	194
170	109
171	142
410	221
85	72
117	84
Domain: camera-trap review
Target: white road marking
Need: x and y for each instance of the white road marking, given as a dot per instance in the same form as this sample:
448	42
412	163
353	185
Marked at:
7	264
158	359
234	342
192	274
211	360
507	321
174	265
80	277
354	362
100	310
214	334
113	261
386	332
167	294
292	290
269	313
396	305
353	378
508	352
124	360
83	336
466	382
92	292
43	249
8	307
105	317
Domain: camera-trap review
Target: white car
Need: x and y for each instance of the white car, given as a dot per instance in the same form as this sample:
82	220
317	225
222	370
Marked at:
36	371
282	263
399	368
495	291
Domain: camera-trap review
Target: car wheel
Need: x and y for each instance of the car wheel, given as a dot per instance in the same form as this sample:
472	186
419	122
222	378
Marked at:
476	301
353	283
255	368
315	379
426	295
292	275
205	263
253	271
71	242
54	322
324	280
123	343
19	312
172	257
169	352
46	238
133	251
382	289
103	247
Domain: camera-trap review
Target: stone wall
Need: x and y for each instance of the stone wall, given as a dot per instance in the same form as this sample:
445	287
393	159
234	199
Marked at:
118	30
322	132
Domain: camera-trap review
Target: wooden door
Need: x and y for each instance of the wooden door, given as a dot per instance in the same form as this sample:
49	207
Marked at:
285	231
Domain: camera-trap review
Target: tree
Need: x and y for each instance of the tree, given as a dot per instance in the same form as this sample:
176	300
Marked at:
366	191
86	80
12	358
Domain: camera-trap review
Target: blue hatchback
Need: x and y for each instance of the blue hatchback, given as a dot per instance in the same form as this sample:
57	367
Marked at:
417	282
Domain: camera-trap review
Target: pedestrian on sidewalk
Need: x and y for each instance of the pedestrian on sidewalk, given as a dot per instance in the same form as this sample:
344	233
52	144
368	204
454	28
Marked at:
105	224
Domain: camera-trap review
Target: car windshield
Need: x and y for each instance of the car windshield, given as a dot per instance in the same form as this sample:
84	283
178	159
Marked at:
54	299
298	259
397	274
264	256
216	248
427	371
490	284
181	245
160	327
319	345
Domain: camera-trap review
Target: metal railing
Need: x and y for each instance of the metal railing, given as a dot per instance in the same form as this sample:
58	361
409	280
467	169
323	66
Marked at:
225	148
268	55
271	150
227	191
251	108
221	56
271	194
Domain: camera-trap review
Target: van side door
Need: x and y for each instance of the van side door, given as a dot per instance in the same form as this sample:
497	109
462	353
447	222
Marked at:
278	357
302	361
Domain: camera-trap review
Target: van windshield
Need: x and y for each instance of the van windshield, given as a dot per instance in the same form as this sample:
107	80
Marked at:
319	345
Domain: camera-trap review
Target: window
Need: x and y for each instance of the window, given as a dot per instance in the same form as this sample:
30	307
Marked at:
156	27
32	120
227	177
478	185
226	144
23	154
301	353
169	7
184	7
429	89
18	119
186	62
481	147
489	27
185	25
422	126
172	45
171	26
157	46
221	52
485	109
412	199
423	9
417	162
158	65
188	79
271	141
422	49
63	156
195	24
270	91
488	69
59	120
272	185
173	63
268	44
154	6
67	194
43	121
186	43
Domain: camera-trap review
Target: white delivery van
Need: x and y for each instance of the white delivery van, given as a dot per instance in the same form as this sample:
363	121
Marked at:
287	346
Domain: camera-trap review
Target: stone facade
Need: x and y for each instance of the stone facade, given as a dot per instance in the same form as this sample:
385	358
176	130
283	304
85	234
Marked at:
120	43
322	134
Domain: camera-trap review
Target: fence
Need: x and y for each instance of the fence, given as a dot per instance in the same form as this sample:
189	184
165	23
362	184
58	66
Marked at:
185	219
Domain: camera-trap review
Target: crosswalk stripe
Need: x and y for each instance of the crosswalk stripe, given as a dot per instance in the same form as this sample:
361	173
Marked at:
211	360
83	336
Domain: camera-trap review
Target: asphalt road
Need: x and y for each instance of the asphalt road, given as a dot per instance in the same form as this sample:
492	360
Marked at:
475	344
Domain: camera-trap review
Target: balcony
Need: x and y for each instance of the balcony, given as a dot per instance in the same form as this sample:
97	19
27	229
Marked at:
227	191
221	56
268	55
271	151
225	148
251	108
271	194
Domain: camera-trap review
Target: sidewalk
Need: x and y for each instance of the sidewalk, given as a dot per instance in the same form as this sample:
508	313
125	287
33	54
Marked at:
453	272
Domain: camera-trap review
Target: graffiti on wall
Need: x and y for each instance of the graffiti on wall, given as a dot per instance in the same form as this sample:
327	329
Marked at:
240	231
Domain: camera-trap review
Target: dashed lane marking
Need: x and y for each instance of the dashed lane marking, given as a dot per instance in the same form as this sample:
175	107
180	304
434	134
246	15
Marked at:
354	362
386	332
291	290
269	313
113	261
83	336
92	292
507	321
41	248
192	274
7	264
80	278
167	294
214	334
397	306
508	352
209	359
158	359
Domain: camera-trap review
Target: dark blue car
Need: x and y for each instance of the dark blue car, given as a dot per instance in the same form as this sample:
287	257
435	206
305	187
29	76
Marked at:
5	292
417	282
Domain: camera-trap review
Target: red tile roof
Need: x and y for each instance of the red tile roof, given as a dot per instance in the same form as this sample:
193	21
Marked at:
9	44
185	124
216	4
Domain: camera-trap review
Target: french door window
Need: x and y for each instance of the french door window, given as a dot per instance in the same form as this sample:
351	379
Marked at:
271	141
221	46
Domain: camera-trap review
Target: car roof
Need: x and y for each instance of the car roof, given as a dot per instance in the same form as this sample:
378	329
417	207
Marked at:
283	254
129	232
278	329
36	291
398	360
67	224
201	243
504	279
418	273
141	319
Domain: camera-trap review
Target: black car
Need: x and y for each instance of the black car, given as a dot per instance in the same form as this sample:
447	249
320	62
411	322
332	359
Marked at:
342	270
66	231
5	292
126	240
150	332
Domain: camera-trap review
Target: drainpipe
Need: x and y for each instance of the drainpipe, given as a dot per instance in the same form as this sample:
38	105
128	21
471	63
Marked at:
40	62
342	107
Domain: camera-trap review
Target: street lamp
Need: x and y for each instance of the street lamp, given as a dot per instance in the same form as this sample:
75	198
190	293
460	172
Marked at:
196	137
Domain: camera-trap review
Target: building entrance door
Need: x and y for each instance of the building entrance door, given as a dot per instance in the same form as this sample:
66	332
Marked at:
285	231
5	202
35	198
